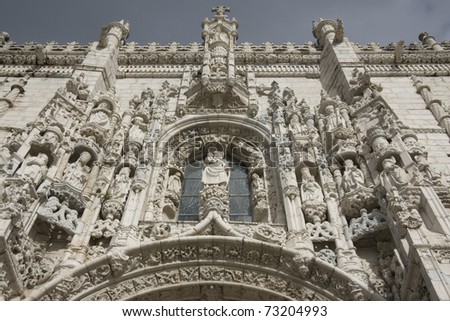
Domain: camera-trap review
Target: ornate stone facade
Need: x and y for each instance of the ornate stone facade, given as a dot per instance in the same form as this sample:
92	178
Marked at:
225	171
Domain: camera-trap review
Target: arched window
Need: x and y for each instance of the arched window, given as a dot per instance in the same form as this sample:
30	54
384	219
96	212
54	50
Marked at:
239	191
192	185
238	188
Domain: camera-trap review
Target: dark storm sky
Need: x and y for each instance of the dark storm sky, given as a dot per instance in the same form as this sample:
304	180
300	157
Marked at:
277	21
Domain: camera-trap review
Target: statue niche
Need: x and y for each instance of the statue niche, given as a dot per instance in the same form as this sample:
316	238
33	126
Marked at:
357	195
312	198
216	172
35	168
173	194
259	199
99	124
76	173
113	207
215	178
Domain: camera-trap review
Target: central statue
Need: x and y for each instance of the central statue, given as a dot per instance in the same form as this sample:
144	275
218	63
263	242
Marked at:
216	171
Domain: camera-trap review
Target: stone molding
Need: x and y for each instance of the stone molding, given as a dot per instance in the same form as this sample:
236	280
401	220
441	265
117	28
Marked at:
214	258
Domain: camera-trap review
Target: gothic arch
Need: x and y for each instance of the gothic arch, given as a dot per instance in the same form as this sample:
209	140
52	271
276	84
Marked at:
223	121
169	266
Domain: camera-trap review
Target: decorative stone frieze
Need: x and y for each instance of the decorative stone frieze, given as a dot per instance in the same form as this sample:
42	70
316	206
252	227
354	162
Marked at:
224	170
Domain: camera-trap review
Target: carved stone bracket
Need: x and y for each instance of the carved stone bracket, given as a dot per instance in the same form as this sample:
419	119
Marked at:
60	214
214	198
362	198
112	209
368	224
105	228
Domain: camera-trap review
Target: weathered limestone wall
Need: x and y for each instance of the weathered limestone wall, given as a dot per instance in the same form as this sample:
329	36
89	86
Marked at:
440	88
400	94
38	92
334	75
409	106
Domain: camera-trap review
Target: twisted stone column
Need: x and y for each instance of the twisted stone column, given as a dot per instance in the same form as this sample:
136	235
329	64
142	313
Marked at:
434	105
8	100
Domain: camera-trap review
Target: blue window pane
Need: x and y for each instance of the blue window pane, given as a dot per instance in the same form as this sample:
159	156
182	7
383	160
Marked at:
239	189
192	183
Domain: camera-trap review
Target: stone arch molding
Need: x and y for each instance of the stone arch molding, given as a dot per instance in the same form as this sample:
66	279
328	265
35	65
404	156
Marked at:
212	267
204	125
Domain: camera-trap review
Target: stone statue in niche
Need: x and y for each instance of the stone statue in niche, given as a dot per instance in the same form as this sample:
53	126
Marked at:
310	189
424	166
35	168
172	195
297	127
76	173
312	198
216	171
393	178
353	177
257	182
334	118
137	131
147	97
174	183
288	177
121	184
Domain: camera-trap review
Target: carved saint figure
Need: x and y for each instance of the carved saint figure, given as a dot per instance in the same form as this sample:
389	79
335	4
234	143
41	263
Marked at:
257	182
424	166
297	127
334	118
76	173
35	167
121	185
353	177
393	177
136	132
310	189
174	183
147	97
215	171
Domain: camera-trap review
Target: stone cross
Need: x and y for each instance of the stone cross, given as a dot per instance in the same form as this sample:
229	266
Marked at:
220	10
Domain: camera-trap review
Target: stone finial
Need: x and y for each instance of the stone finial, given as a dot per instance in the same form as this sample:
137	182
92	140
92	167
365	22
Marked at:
428	40
220	10
114	34
4	37
339	37
325	29
41	54
398	52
